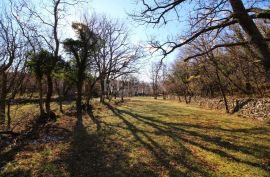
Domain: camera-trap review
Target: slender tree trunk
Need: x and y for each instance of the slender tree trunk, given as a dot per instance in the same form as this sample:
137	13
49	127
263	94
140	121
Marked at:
3	97
8	115
60	101
155	87
155	91
102	90
122	95
179	98
60	97
222	92
211	92
109	91
164	95
253	32
186	98
115	94
49	94
190	95
122	91
88	100
89	97
61	104
89	94
155	95
41	109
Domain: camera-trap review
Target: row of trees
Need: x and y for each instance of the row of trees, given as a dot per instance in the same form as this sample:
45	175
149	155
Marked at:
32	49
224	49
102	52
213	18
235	71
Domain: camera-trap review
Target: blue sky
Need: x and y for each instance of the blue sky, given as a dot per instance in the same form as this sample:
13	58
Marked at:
115	9
140	34
119	9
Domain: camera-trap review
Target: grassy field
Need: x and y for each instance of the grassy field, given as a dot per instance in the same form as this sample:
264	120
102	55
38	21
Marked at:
145	138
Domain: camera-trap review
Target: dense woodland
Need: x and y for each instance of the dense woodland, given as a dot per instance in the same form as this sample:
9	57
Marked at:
69	81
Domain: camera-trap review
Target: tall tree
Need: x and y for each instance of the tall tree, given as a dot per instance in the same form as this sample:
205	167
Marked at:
116	56
155	76
36	65
82	50
11	44
49	23
209	16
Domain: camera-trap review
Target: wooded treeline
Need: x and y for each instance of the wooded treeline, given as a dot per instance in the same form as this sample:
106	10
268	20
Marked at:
231	72
235	72
35	59
224	50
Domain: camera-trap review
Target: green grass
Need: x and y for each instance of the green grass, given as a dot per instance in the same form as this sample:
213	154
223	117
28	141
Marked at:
146	137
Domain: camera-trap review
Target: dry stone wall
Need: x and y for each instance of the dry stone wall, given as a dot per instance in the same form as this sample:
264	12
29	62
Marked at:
258	108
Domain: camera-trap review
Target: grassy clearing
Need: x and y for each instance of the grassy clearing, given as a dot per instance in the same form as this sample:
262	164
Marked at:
145	137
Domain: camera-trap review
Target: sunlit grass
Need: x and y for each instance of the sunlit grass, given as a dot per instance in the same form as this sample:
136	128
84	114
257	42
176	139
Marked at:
175	139
146	138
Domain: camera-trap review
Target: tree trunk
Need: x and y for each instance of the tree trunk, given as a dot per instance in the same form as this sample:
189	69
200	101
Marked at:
122	91
3	97
115	95
88	100
102	90
60	97
41	110
155	91
253	32
89	97
222	92
109	90
155	95
186	98
179	98
190	95
8	115
49	94
122	96
61	104
164	95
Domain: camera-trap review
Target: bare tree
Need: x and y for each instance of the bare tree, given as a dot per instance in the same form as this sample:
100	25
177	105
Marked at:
155	76
11	44
49	23
116	56
209	16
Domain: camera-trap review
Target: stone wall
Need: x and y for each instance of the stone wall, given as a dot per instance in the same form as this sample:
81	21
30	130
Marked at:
258	108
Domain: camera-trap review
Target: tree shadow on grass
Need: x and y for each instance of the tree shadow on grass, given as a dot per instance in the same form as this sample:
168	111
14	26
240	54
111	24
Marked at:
185	133
192	166
97	154
95	119
22	150
18	173
9	156
8	151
